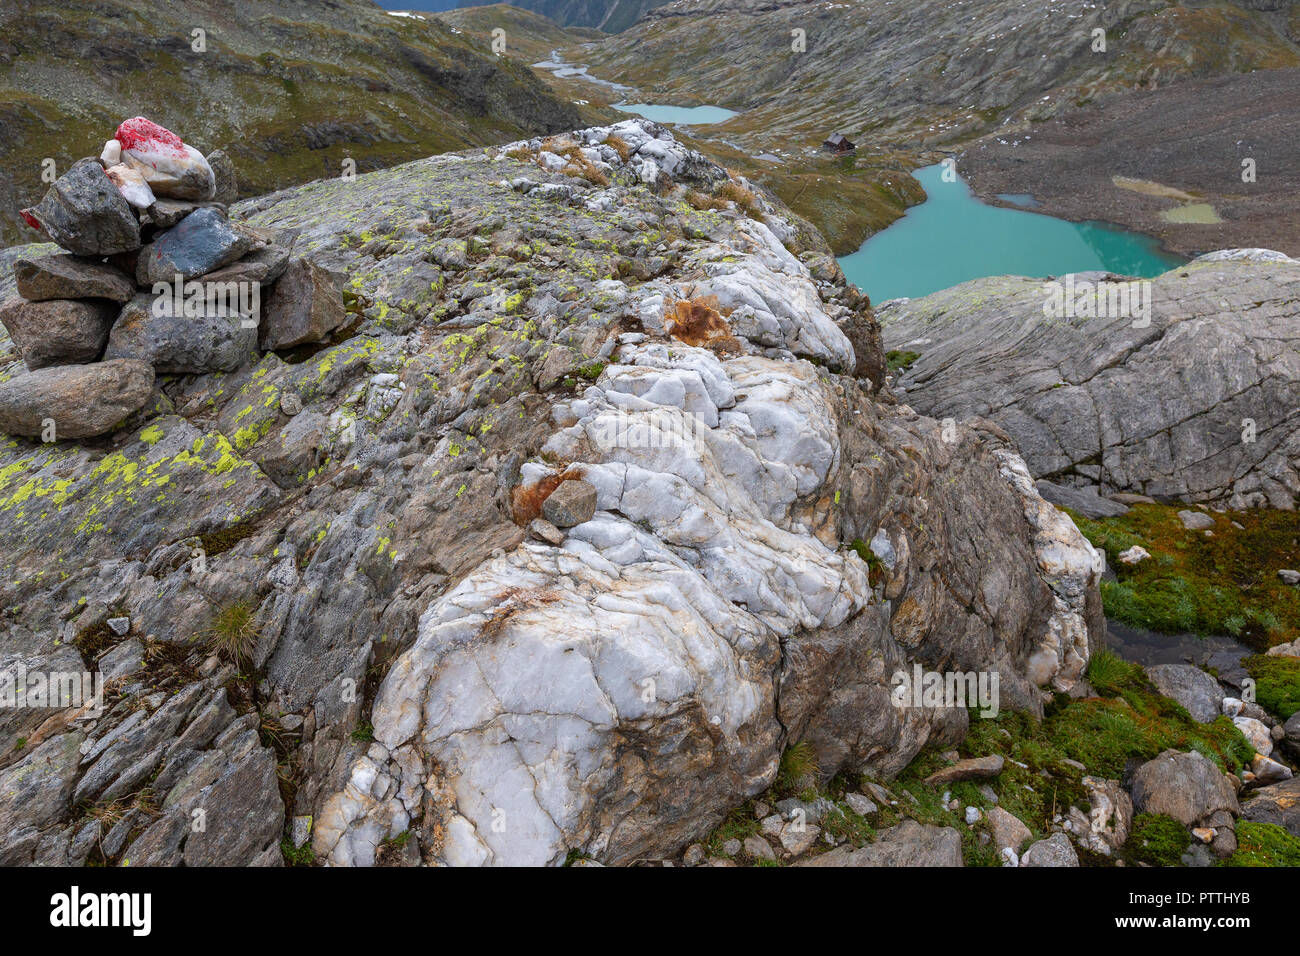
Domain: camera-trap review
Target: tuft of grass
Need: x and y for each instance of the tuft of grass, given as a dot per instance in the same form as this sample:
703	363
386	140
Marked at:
1264	844
743	197
1277	683
1109	673
1157	839
738	825
619	145
696	321
798	766
233	631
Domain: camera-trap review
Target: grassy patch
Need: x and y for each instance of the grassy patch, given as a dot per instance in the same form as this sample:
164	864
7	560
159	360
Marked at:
297	855
1277	683
898	360
1264	844
1226	583
1109	673
798	767
1158	840
233	631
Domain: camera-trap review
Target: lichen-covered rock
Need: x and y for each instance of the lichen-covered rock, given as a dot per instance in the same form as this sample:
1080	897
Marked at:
74	401
86	214
1193	400
58	331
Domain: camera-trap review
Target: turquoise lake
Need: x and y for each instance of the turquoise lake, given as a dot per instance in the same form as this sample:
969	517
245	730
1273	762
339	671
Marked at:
952	237
682	115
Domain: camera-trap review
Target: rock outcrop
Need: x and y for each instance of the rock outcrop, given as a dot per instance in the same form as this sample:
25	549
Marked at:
1197	401
351	529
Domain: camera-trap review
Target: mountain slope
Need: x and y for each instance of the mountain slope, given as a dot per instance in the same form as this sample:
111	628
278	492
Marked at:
608	15
929	72
290	88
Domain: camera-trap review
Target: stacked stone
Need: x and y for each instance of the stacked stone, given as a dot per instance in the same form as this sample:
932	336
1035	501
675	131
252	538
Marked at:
155	279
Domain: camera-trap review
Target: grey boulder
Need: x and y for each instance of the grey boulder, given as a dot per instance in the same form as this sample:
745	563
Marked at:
571	503
1278	803
70	277
1054	851
908	844
81	400
201	242
223	170
1085	500
1190	686
209	342
58	331
1193	401
85	213
305	305
1185	786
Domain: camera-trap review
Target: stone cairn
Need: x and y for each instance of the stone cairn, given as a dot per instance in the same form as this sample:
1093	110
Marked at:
155	279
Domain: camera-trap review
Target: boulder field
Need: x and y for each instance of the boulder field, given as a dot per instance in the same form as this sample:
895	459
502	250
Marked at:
553	549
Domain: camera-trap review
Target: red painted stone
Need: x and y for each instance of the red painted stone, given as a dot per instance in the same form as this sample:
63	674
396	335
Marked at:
145	135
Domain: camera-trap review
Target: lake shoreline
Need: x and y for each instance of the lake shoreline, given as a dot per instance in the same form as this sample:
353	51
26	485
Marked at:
1086	164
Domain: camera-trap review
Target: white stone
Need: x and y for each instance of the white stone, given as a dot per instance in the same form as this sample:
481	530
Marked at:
1134	555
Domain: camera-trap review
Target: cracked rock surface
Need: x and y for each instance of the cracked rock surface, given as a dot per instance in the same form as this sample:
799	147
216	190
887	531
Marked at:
1201	405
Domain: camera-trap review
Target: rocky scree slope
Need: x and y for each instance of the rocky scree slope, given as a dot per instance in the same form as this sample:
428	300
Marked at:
289	87
556	532
1201	405
930	72
608	15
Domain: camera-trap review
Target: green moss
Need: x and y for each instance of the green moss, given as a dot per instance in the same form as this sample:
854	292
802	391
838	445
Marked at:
1264	844
223	539
297	855
1226	583
151	435
899	360
1158	840
1277	683
364	734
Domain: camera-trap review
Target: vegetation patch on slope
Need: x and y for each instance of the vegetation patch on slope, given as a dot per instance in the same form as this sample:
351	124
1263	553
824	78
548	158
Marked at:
1225	582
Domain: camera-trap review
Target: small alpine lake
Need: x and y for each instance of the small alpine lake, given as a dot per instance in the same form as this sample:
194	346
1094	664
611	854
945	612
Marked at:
953	237
678	115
